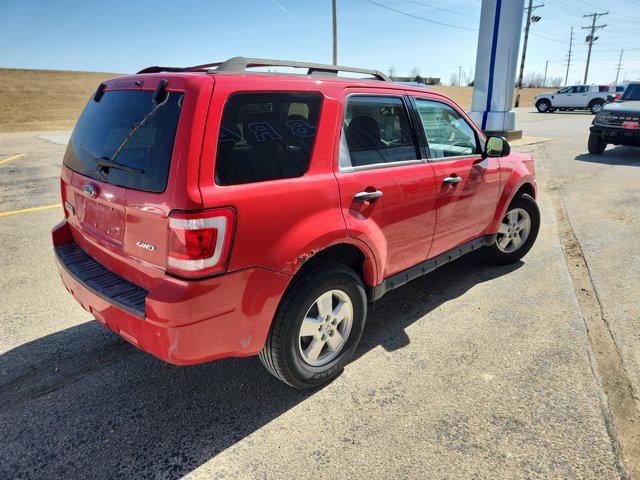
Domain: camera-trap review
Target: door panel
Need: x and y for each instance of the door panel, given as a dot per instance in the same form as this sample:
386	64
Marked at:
465	209
399	225
378	154
467	184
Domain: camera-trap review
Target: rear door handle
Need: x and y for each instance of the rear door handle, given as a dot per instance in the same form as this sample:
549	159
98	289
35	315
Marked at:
367	196
452	180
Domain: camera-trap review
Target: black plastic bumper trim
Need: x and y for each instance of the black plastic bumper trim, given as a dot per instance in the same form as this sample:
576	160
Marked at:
398	279
102	281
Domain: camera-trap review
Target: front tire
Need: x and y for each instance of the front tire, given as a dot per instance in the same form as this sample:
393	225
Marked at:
317	327
596	146
517	232
543	106
595	106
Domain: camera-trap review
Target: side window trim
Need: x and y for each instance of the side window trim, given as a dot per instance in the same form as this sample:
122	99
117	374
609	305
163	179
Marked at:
412	123
427	156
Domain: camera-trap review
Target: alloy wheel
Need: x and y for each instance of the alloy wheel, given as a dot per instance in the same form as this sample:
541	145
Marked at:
325	328
514	230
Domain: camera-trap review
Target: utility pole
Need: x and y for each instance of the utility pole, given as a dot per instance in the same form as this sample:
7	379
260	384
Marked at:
530	19
546	66
566	78
459	76
592	38
619	66
335	32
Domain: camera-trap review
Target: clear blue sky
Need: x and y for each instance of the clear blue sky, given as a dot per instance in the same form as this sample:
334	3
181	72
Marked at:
124	36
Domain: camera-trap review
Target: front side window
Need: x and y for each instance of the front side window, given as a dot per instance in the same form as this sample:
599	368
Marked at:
566	90
375	130
266	136
448	134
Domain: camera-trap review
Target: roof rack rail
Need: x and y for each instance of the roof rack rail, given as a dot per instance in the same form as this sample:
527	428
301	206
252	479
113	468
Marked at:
240	64
156	69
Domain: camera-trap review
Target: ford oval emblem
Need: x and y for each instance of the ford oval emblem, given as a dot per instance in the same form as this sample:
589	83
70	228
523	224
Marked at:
90	190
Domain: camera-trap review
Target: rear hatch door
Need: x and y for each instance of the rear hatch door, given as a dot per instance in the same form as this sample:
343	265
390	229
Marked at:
128	164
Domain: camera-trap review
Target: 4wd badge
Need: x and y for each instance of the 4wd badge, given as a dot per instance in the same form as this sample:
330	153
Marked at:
146	246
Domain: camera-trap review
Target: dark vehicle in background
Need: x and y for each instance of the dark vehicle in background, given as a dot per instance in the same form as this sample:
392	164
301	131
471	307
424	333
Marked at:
618	123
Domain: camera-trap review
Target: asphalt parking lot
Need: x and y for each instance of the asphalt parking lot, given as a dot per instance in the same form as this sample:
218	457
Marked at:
526	371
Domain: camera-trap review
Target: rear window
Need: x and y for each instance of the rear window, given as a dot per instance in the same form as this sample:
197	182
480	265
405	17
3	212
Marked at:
266	136
108	126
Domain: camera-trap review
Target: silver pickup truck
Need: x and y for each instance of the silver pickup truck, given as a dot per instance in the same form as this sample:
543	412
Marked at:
576	97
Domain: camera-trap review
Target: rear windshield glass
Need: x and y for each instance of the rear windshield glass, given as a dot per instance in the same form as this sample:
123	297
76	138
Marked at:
266	136
109	126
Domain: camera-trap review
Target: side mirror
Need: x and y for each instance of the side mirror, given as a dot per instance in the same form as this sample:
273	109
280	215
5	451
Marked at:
611	98
496	147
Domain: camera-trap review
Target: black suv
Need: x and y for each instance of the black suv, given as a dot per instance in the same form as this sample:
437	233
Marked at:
618	123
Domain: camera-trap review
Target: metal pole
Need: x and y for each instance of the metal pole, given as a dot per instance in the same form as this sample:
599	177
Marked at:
335	33
566	78
593	28
619	66
546	66
593	31
524	49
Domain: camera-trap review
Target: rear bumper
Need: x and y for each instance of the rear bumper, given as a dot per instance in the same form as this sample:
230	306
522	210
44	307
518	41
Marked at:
617	135
180	321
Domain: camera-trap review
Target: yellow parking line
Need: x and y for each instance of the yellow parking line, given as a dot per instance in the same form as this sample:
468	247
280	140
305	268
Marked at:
32	209
15	157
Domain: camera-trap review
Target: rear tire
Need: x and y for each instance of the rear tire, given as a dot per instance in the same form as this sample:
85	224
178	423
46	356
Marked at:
595	106
517	232
543	106
330	297
596	145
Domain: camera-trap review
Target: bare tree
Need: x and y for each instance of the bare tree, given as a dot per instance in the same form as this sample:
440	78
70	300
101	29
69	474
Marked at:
554	82
453	79
392	71
537	80
415	72
467	77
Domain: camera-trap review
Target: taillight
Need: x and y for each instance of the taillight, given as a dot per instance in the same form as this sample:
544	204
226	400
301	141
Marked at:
200	242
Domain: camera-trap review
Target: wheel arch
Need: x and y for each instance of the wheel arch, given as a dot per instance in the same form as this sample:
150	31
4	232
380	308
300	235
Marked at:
357	257
516	185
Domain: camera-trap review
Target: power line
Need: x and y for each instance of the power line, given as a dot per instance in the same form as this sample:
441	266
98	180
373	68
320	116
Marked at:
548	38
421	18
475	17
592	38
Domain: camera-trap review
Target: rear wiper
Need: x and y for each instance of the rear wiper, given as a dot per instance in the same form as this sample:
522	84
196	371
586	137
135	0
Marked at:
105	162
160	96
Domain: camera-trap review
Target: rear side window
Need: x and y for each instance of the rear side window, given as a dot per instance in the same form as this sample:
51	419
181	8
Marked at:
106	131
266	136
448	134
375	130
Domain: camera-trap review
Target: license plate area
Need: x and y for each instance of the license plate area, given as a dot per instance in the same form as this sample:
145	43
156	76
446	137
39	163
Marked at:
100	219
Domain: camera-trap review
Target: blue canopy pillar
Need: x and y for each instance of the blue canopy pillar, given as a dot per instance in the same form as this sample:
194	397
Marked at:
496	64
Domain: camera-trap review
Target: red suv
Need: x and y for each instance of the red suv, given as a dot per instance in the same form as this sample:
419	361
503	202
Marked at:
220	210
